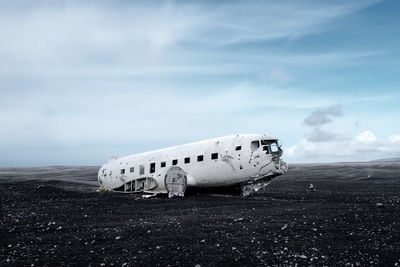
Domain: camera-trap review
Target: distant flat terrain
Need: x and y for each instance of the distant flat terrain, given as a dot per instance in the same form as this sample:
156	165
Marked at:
73	178
52	216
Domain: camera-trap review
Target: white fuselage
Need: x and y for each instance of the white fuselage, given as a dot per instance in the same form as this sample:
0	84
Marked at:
215	162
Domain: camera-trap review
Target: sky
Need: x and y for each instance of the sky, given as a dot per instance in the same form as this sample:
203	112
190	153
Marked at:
81	81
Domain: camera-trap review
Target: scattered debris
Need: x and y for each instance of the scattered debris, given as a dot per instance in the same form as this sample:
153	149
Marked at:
103	189
311	188
302	256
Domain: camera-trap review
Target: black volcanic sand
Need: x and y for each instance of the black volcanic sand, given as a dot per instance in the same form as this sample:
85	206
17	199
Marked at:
52	216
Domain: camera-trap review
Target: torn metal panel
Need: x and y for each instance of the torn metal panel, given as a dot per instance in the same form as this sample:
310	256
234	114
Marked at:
228	159
251	189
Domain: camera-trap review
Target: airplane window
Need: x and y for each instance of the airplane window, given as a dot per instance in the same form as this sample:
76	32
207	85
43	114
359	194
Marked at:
132	169
163	164
274	147
174	162
141	169
254	145
200	158
214	156
187	160
152	167
122	171
238	148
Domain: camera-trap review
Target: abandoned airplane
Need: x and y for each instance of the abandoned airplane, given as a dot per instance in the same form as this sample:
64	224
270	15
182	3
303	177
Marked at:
247	161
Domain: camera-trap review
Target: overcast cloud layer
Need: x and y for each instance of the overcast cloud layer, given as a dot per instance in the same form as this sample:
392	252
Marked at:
84	80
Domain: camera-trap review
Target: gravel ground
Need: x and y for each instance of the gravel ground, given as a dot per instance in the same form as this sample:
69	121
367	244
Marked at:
52	217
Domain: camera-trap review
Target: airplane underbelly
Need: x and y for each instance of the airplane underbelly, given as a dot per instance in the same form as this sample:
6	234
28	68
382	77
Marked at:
226	179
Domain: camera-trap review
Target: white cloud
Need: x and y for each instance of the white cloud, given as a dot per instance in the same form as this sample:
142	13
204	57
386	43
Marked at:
364	146
321	145
366	137
395	139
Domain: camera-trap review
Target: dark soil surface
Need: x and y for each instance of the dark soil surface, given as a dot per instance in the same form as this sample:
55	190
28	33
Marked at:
53	217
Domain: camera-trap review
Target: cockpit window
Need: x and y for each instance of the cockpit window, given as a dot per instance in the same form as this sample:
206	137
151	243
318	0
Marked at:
271	146
274	147
254	145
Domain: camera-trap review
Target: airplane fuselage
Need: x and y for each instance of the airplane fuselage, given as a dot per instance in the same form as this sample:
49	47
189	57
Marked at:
225	161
